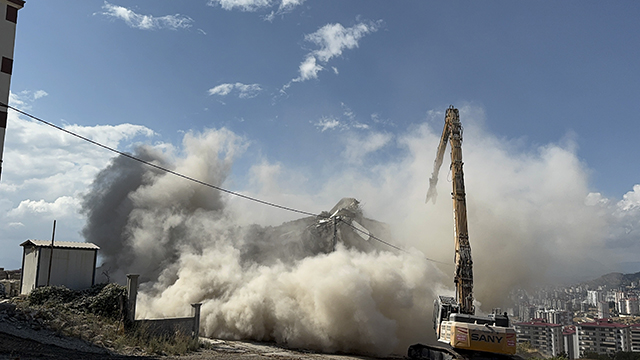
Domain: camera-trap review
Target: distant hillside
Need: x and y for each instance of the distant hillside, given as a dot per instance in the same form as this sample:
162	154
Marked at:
613	280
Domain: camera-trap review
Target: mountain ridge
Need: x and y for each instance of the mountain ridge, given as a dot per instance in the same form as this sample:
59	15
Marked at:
613	280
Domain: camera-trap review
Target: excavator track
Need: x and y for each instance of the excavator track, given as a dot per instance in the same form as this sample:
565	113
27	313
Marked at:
431	352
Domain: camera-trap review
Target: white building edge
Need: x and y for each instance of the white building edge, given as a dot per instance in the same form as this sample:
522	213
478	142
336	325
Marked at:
8	21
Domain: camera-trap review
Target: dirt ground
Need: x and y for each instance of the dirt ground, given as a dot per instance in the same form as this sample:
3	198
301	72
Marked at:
23	336
14	347
19	342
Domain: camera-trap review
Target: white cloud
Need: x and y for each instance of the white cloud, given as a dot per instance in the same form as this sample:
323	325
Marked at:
631	200
16	101
64	205
348	112
222	89
377	119
146	22
284	6
346	122
357	125
623	225
308	69
44	174
111	135
594	199
248	91
243	5
357	148
23	99
332	40
245	91
39	94
287	5
328	123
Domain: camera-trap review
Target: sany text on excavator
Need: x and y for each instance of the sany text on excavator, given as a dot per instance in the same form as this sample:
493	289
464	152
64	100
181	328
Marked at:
466	335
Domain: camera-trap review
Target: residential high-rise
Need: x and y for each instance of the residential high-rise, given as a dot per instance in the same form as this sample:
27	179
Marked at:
594	297
633	306
603	310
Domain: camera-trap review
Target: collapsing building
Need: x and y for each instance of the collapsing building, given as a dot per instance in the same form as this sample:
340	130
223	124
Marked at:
344	224
71	264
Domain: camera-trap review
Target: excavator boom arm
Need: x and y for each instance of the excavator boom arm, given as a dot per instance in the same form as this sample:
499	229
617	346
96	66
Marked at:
468	336
463	277
433	180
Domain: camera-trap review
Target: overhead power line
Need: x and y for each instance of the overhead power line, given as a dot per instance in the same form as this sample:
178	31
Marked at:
161	168
388	244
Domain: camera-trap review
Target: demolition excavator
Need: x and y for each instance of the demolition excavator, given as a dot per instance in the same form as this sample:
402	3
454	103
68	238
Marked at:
463	334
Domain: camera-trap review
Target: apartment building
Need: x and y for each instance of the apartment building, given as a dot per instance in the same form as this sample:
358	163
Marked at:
570	341
543	336
603	337
634	337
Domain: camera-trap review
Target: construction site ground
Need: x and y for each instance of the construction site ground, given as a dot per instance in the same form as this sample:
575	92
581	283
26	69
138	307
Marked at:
18	341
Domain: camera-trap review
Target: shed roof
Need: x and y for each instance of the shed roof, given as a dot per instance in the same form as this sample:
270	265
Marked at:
61	244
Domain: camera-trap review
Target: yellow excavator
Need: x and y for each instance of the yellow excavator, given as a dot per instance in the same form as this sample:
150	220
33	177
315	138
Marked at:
463	334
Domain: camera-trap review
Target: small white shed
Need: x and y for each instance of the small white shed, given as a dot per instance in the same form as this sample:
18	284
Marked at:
73	264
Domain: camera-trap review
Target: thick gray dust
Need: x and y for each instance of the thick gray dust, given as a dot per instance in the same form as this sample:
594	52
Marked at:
288	283
532	216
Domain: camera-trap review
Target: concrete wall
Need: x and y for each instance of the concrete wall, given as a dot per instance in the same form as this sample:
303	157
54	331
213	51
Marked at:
164	327
168	327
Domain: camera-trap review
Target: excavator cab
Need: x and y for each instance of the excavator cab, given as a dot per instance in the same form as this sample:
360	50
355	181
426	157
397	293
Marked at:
443	307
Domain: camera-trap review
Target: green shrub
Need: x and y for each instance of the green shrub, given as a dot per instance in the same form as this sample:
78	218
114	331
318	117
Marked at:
107	300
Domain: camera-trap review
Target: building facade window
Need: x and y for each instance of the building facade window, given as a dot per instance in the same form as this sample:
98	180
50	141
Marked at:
12	14
7	65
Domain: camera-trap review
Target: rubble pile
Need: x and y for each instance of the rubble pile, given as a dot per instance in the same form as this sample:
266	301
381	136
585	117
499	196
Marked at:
91	321
12	314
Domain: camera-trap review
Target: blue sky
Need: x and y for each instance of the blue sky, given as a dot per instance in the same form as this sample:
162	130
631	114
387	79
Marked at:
532	75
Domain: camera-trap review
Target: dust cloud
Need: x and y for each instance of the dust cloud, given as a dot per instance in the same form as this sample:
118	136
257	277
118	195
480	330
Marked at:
528	222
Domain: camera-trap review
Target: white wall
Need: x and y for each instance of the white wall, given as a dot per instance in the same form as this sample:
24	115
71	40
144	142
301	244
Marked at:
73	268
29	269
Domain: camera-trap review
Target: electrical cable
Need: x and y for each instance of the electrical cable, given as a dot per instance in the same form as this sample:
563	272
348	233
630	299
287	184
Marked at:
160	167
199	181
388	244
